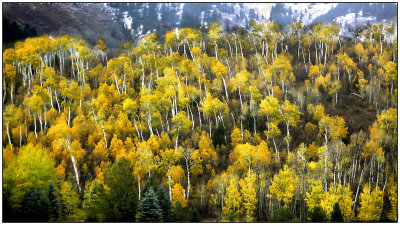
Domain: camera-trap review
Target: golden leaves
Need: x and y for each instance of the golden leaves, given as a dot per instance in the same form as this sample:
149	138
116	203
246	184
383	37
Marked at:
283	185
178	195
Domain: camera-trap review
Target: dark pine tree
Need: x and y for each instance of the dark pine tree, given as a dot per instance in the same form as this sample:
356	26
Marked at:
336	214
8	211
164	202
282	215
123	195
317	214
195	217
179	214
35	206
149	209
54	204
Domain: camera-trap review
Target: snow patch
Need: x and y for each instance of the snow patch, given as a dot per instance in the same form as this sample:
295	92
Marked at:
158	11
140	29
263	9
202	18
127	20
310	11
346	19
180	12
351	19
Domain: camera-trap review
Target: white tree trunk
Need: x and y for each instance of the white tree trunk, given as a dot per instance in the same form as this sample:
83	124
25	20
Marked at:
226	89
34	121
8	135
139	185
76	172
20	134
169	187
188	177
104	134
69	114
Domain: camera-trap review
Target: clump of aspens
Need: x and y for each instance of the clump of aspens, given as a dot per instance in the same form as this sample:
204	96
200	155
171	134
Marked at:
202	126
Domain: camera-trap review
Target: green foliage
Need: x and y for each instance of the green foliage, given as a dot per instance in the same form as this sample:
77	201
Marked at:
70	203
122	196
282	215
149	208
233	217
164	203
181	123
195	217
317	214
31	168
35	205
179	214
95	202
336	214
54	202
202	114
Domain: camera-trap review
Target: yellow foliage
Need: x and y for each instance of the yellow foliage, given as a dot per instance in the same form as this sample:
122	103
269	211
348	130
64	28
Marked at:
388	121
371	204
248	191
232	199
314	72
117	148
60	171
269	107
243	156
236	137
219	69
326	200
178	195
8	155
346	202
206	149
31	167
283	185
310	128
99	154
393	202
314	197
177	173
277	92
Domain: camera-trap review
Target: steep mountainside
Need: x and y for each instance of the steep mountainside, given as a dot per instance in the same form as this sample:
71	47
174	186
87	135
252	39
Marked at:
87	20
145	18
124	21
347	15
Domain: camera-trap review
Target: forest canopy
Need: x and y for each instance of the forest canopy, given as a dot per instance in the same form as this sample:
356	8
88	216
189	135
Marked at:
268	124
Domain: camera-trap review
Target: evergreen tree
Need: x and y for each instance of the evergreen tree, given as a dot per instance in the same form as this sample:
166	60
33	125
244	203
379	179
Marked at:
95	202
179	214
35	206
122	195
164	203
149	209
336	214
317	214
85	120
282	215
54	204
8	211
233	217
195	217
